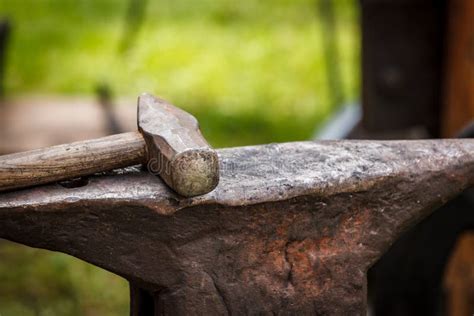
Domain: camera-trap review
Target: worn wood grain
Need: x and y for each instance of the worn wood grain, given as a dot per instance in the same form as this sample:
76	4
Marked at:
459	73
459	277
70	160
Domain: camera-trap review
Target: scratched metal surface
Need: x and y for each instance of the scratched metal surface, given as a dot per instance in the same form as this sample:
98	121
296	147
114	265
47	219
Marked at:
291	228
176	150
274	172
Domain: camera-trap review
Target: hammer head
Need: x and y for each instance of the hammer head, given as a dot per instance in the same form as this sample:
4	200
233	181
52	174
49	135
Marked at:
176	149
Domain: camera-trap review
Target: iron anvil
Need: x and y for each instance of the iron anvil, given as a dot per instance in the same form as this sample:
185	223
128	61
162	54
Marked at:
291	228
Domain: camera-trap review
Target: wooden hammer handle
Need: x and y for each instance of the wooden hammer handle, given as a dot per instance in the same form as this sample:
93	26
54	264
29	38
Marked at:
71	160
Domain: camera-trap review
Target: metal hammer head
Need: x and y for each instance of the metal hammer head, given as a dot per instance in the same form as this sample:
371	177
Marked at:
176	149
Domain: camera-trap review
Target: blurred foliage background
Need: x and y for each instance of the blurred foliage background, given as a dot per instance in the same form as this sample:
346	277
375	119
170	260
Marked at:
251	71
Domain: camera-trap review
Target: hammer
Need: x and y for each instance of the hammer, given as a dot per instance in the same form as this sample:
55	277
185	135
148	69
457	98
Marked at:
168	142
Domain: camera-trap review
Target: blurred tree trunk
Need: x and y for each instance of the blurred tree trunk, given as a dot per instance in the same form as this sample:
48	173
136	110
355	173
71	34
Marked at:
329	33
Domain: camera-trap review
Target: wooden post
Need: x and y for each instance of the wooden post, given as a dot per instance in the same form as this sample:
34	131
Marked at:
458	107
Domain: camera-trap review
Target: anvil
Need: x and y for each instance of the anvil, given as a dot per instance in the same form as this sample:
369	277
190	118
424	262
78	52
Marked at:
291	228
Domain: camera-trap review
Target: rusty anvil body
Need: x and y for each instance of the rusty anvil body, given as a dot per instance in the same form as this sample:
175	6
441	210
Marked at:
291	228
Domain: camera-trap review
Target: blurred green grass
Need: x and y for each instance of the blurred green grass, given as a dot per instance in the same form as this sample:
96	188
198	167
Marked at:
37	282
251	71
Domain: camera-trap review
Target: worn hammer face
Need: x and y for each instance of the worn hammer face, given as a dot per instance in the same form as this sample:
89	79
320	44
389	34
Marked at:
176	149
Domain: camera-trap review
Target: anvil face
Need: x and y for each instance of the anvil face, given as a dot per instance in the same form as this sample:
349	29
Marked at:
291	228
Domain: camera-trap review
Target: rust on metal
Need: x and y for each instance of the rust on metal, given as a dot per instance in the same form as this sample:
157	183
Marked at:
291	228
